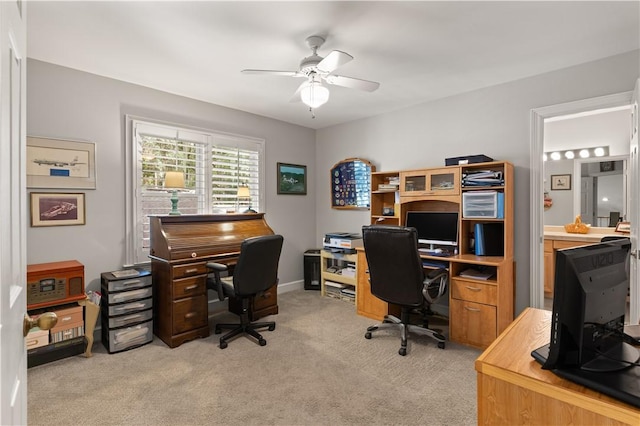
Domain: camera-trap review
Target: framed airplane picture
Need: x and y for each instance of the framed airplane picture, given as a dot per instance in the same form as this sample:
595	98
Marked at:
60	164
56	209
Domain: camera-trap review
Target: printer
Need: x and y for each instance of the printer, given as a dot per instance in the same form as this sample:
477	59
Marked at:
341	241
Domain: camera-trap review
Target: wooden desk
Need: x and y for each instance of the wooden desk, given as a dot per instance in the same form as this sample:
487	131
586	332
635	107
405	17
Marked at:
479	310
513	389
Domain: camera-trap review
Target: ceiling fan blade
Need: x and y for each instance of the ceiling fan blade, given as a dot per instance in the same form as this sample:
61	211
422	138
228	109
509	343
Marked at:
352	83
274	72
296	96
333	60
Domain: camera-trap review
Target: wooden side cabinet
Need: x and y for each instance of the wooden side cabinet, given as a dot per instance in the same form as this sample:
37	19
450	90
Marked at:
179	301
513	389
366	303
260	305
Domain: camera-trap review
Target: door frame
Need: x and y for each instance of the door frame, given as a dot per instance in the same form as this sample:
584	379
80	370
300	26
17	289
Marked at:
536	183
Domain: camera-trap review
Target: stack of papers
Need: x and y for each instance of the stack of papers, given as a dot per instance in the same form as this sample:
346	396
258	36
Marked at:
476	274
483	178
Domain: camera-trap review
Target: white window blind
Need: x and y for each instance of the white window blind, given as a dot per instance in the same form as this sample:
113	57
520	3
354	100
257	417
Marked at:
214	166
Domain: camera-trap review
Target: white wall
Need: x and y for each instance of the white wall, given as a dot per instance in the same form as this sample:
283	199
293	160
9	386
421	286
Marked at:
69	104
492	121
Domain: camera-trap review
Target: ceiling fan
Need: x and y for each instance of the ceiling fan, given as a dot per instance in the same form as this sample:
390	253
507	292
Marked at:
315	69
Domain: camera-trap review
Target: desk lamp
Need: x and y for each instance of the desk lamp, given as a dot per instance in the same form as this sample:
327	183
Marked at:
244	193
174	181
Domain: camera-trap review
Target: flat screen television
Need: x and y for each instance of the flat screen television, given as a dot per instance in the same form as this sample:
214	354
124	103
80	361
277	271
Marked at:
434	228
589	306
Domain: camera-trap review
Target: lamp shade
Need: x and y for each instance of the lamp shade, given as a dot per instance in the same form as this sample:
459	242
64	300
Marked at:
174	180
243	192
314	94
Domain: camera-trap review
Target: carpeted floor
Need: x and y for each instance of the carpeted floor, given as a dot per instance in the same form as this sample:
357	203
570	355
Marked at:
317	369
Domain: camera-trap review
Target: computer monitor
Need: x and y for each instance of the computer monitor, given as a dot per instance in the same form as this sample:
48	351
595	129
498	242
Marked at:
589	305
434	228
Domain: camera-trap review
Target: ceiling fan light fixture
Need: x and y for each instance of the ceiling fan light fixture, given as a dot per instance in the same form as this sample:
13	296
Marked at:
314	94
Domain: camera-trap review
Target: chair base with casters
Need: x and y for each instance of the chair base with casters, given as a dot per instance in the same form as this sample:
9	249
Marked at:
391	321
245	327
434	286
254	274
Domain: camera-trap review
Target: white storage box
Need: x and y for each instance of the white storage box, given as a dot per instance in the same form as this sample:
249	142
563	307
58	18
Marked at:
483	204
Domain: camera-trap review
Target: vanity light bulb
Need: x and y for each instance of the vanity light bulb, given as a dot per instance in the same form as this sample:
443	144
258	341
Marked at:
599	152
544	157
569	155
584	153
605	199
555	155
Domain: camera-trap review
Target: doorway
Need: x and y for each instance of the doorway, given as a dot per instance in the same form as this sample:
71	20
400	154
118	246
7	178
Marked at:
538	117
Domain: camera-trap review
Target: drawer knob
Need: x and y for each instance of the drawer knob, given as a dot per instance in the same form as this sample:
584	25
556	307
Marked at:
194	254
473	288
472	309
191	287
190	315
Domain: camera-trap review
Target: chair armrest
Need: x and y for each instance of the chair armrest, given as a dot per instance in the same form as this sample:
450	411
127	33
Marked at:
215	284
435	284
217	267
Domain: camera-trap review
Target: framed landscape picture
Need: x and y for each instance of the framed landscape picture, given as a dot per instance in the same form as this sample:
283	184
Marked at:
292	179
56	209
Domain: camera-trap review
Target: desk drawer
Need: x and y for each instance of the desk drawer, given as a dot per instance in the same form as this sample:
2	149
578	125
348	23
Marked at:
190	313
473	291
474	324
189	269
267	299
188	287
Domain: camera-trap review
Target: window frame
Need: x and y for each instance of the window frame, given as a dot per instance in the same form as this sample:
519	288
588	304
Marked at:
135	254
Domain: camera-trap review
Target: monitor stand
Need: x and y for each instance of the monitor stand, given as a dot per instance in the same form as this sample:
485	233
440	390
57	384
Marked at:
617	358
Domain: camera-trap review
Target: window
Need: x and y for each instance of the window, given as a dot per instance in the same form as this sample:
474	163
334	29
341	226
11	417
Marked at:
214	166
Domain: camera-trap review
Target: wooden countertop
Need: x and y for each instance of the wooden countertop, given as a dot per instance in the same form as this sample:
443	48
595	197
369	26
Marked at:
509	359
594	235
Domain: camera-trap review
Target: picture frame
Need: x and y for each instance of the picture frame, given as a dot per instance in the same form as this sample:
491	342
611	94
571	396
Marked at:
292	179
606	166
624	227
60	164
560	182
57	209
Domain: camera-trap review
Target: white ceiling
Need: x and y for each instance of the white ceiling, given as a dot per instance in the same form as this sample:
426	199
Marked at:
418	51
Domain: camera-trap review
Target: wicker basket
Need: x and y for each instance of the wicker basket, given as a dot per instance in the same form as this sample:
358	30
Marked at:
577	227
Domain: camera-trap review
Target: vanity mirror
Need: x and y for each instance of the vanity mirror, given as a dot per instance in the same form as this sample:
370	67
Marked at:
598	191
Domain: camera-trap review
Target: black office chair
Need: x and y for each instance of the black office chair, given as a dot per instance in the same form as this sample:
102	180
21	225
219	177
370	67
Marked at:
613	238
397	276
255	272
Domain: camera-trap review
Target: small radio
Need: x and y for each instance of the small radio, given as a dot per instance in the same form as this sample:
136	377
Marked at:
51	282
46	290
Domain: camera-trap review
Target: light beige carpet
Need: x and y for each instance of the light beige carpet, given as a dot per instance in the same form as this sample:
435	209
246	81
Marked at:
317	369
